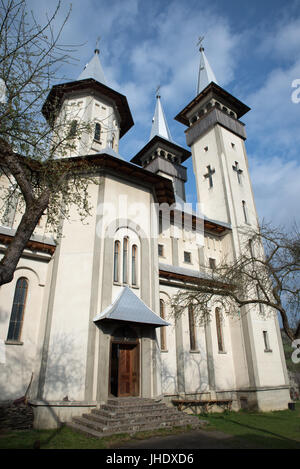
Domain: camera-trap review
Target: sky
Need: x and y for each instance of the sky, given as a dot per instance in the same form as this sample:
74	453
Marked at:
253	48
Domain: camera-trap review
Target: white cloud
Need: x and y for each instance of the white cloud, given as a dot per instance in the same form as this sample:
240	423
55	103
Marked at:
276	185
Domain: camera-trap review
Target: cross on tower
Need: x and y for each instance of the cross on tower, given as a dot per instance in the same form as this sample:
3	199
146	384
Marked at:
97	45
238	171
199	43
209	175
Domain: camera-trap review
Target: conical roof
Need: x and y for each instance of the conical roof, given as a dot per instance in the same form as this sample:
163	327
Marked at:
159	122
93	69
206	74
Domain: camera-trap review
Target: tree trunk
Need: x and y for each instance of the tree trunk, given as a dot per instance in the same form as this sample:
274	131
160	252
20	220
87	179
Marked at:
32	214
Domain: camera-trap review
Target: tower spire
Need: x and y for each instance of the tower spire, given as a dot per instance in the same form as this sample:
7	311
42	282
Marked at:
93	69
159	122
206	74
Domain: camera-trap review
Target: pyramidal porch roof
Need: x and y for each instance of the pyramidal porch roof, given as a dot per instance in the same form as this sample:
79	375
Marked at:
128	307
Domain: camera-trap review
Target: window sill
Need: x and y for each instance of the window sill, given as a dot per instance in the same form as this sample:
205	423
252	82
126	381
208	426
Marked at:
268	350
13	342
164	351
118	284
222	352
194	351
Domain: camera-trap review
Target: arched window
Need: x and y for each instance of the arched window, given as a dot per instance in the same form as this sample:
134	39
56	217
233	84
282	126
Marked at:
125	260
163	341
193	343
117	261
97	133
219	330
17	312
73	129
134	265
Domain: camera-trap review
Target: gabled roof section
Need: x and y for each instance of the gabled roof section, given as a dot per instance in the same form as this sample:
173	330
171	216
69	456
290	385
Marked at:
128	307
93	69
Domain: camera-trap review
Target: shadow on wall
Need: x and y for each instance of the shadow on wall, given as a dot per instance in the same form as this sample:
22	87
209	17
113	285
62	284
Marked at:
63	375
65	371
194	364
197	366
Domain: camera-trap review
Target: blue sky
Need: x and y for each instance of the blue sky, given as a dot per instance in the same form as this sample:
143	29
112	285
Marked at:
253	48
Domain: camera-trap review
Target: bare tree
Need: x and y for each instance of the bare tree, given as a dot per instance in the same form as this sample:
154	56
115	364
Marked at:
31	59
266	275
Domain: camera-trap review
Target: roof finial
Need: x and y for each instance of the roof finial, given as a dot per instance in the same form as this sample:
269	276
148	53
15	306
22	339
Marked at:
97	51
199	43
157	92
206	74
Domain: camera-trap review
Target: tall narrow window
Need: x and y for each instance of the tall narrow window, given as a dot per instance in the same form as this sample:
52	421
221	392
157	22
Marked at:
73	129
117	261
163	341
125	260
187	257
245	211
219	330
160	223
97	132
17	313
134	265
251	248
160	250
266	341
193	344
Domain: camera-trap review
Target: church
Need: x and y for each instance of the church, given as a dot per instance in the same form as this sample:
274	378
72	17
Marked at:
88	316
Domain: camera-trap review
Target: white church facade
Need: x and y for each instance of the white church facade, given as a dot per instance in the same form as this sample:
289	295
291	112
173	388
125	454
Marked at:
88	316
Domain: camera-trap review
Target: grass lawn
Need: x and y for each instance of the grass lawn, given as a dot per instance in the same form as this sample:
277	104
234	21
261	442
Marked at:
280	429
65	438
269	430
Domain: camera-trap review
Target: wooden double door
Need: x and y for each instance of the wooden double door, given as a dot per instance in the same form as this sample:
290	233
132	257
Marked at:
124	369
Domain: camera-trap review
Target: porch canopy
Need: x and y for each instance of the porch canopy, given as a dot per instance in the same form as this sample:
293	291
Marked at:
128	307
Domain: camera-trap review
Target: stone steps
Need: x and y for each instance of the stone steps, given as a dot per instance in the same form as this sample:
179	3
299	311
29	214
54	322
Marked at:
131	415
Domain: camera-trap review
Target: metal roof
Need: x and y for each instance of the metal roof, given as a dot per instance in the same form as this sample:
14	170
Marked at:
159	122
93	69
206	74
128	307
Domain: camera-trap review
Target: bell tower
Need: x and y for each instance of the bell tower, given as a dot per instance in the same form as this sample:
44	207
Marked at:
87	114
217	137
161	155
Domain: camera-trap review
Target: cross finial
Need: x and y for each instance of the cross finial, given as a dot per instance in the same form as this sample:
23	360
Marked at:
97	45
199	43
157	91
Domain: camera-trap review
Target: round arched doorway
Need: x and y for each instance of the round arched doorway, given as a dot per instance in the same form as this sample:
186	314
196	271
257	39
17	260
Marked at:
124	363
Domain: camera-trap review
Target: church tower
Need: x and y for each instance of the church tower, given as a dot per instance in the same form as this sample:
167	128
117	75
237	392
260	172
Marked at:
161	155
217	137
87	115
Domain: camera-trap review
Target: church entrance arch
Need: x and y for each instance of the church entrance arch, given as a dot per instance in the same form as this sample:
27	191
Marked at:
124	363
